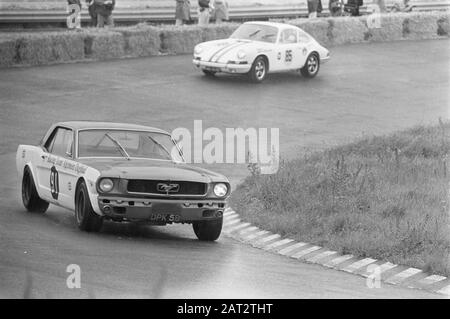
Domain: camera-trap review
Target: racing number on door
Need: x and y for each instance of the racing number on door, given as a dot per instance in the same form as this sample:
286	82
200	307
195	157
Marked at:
288	56
54	182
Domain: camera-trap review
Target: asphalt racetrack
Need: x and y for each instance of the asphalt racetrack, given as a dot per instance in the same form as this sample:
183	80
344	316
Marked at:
365	89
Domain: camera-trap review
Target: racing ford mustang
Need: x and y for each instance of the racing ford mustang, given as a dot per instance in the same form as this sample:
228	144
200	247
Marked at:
120	172
259	48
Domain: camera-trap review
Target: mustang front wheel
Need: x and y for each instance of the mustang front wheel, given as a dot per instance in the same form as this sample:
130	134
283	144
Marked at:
87	219
208	230
258	71
311	67
30	198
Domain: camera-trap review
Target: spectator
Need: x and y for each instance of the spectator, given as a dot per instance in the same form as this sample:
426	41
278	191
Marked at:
402	7
352	7
104	10
182	12
92	12
220	10
77	24
381	4
204	12
314	7
335	8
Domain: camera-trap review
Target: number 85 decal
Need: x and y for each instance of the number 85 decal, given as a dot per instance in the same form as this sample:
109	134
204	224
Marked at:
288	56
54	182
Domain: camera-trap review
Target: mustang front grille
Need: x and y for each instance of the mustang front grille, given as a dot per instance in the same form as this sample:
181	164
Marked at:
166	187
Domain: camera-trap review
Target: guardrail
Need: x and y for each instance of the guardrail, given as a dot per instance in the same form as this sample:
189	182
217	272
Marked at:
160	15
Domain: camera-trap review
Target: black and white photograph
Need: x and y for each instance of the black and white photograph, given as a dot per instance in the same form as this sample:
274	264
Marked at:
224	155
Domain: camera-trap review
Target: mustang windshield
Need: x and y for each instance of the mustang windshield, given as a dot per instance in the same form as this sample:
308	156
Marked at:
256	32
121	143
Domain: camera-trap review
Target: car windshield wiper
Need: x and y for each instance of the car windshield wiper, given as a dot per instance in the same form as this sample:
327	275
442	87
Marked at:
120	147
251	35
160	145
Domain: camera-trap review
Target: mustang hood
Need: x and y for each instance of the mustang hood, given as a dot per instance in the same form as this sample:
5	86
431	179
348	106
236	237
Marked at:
152	169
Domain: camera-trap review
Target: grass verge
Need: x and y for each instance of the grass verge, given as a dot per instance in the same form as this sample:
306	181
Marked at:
386	197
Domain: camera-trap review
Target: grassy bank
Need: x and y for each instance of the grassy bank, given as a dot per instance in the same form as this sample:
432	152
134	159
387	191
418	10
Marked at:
385	197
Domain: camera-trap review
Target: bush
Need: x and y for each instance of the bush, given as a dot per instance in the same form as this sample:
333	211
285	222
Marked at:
384	197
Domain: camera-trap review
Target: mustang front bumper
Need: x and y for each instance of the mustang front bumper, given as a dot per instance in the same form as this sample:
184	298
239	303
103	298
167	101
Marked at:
160	211
222	67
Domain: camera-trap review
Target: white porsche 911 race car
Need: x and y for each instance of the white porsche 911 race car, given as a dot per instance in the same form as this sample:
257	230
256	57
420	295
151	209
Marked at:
259	48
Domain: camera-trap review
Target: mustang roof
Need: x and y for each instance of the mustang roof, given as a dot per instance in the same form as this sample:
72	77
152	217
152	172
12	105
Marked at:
80	125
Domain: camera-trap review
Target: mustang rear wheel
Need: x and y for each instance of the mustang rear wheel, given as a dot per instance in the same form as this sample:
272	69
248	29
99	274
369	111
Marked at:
87	219
208	230
209	73
259	70
30	198
311	67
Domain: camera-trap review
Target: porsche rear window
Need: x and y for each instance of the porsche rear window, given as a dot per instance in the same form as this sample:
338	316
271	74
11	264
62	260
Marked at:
122	143
256	32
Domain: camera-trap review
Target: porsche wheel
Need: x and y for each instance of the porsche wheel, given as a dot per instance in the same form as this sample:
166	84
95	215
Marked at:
259	70
208	230
87	219
30	198
311	67
209	73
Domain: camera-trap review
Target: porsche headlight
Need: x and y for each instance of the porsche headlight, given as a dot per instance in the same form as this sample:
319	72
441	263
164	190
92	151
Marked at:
106	185
220	190
241	54
198	50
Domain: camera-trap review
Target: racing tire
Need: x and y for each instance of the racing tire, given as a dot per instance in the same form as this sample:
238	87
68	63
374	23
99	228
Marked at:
30	197
209	73
311	67
258	70
87	219
208	230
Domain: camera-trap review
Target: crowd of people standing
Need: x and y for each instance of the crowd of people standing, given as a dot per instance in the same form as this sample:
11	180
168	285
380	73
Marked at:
101	11
207	9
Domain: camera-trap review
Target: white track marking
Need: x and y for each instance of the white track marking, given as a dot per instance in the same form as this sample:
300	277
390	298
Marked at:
247	230
306	251
387	266
445	290
232	222
431	279
277	244
253	236
336	261
359	264
291	248
228	210
261	241
231	217
240	226
382	268
403	275
324	254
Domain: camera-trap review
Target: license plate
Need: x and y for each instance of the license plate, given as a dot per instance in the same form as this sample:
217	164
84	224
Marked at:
165	218
212	69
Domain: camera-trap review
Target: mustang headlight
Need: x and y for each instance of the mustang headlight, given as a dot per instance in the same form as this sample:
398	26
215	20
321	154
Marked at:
106	185
241	54
220	190
198	50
